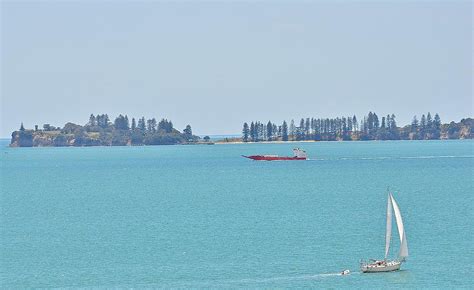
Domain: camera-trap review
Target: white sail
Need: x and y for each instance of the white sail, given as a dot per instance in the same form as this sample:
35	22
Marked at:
388	234
403	247
401	230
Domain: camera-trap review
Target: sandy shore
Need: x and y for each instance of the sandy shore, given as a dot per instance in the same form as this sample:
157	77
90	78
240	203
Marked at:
266	142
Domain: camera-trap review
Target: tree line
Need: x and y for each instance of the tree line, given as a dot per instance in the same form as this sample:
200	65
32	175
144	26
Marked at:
370	127
101	131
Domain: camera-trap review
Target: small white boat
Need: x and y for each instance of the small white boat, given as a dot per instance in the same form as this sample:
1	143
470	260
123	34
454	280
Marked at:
345	272
373	266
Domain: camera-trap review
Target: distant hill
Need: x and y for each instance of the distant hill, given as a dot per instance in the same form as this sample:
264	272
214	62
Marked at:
99	131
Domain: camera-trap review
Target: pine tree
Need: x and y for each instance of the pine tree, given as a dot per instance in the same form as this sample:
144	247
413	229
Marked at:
264	131
317	127
245	132
141	124
354	123
423	127
307	128
414	125
437	122
188	133
300	133
344	128
370	122
134	124
292	130
366	125
257	131
284	131
382	132
393	128
165	125
423	122
437	126
349	124
92	120
269	131
102	120
148	125
376	122
429	121
127	124
252	131
22	128
121	123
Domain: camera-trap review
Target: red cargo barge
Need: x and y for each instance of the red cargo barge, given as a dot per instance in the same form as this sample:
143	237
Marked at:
298	155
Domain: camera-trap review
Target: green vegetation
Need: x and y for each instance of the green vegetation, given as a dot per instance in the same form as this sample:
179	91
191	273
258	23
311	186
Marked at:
371	127
100	131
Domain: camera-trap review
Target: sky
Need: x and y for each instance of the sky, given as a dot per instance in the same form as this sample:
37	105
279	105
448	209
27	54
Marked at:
217	64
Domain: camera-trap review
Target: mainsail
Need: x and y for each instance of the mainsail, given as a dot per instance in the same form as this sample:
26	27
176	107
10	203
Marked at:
388	234
401	230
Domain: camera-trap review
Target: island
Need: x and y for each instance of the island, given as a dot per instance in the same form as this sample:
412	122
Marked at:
100	131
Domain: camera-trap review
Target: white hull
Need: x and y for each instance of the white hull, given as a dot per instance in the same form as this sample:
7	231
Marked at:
381	267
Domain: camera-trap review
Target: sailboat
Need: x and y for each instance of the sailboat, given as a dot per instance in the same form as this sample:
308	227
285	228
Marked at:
389	265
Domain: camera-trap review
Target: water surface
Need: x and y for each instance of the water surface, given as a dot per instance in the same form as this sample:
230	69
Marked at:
202	216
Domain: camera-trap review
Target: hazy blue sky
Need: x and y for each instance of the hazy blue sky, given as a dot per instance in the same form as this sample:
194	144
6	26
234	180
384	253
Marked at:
217	64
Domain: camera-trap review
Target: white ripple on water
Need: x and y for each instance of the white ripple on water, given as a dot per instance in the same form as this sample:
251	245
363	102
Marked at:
268	280
288	278
392	158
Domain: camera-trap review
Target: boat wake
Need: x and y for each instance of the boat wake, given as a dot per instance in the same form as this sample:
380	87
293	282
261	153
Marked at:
288	278
245	281
282	278
392	158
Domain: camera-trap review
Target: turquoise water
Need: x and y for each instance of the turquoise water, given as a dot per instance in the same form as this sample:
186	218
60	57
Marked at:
202	216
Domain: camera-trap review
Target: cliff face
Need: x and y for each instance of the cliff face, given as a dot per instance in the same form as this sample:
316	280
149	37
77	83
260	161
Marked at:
461	130
22	138
467	129
40	138
30	138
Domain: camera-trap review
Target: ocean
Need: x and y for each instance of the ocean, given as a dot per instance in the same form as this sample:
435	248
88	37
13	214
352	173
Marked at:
204	217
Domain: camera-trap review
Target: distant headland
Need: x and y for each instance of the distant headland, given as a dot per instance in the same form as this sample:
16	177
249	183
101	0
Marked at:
100	131
370	127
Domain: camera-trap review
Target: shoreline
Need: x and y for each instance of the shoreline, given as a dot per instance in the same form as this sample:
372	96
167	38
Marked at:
238	143
325	141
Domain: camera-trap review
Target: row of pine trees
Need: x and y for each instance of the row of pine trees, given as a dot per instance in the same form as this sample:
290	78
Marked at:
122	123
370	127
